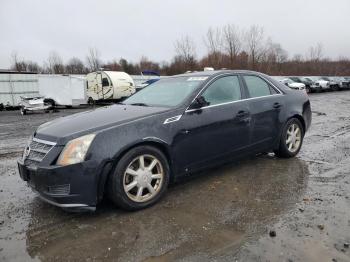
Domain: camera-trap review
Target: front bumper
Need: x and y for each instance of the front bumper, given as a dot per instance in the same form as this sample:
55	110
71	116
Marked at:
73	186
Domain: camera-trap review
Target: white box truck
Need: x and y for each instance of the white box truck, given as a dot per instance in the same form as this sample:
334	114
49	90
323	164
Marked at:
65	90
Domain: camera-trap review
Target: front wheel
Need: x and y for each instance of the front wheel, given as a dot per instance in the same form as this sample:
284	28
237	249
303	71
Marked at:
291	139
140	178
308	89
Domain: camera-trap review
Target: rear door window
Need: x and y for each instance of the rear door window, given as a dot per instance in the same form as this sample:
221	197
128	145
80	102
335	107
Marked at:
258	87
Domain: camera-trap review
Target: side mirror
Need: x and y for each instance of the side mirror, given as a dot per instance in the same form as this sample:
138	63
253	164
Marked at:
199	102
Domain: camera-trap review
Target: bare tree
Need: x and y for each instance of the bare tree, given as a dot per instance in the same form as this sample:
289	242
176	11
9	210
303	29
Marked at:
145	63
276	53
93	59
20	65
316	52
17	64
232	41
213	40
54	63
33	67
255	44
185	50
75	66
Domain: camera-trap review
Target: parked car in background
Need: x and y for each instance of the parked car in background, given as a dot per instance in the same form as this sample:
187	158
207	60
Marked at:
315	87
310	85
146	82
131	151
290	83
333	85
32	104
341	82
324	84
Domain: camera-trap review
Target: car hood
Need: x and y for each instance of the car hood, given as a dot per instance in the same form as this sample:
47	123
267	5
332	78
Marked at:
64	128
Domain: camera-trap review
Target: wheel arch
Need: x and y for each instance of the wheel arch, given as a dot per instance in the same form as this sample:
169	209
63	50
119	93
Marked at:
301	119
152	141
48	99
297	116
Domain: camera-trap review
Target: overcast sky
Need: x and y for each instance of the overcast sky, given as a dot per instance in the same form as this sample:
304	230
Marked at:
134	28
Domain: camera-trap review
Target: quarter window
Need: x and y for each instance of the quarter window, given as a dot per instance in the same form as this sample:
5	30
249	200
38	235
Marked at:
223	90
258	87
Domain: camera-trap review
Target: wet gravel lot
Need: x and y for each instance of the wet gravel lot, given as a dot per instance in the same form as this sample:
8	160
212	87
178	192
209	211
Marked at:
260	209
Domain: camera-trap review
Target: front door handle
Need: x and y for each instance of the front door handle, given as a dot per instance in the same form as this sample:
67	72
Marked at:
276	105
242	114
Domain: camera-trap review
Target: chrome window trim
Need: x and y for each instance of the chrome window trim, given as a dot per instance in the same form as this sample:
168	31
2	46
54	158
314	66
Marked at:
237	101
232	74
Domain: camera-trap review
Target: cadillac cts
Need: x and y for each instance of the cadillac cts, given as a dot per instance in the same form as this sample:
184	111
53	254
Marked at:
131	151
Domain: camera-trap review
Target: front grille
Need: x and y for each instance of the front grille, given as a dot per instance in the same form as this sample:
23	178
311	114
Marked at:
35	152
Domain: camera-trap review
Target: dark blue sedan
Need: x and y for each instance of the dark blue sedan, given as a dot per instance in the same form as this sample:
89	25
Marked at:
178	125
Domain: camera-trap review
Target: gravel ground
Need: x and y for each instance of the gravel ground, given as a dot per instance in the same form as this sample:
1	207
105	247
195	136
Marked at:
261	209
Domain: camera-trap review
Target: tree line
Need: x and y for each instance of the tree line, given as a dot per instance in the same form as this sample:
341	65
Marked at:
228	47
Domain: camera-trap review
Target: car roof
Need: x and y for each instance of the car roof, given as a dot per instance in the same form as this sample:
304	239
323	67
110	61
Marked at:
218	72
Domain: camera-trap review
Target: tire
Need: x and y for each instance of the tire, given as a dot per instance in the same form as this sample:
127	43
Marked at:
335	88
308	89
285	150
91	101
318	89
124	187
50	102
23	111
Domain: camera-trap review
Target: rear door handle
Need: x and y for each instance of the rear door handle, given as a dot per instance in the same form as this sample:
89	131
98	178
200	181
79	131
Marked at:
277	105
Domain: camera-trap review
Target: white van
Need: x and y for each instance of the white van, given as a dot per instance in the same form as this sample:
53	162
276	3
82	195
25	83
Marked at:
109	85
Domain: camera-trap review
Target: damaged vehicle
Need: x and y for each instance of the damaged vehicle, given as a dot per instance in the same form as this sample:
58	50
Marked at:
131	151
32	104
291	83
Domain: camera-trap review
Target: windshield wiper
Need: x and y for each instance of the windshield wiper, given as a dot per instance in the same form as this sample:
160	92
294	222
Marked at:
139	104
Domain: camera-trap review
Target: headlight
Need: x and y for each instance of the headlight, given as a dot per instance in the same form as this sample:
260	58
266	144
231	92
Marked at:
75	151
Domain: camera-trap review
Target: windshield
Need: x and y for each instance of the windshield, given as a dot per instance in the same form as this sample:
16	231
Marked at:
169	92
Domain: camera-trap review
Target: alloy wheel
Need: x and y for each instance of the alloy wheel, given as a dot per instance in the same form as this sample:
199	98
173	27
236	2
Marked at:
293	140
143	178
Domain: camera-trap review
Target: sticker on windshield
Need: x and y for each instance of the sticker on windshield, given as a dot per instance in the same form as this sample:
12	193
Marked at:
198	78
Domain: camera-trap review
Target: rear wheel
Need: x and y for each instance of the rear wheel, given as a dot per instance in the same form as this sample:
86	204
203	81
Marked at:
140	178
91	101
291	139
335	88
